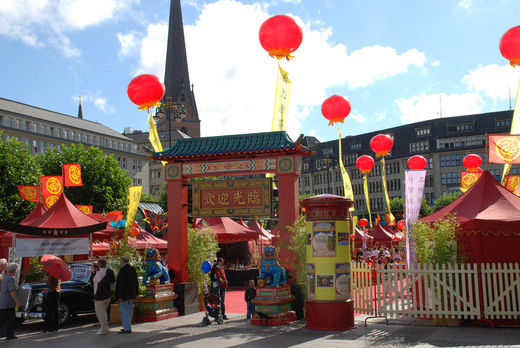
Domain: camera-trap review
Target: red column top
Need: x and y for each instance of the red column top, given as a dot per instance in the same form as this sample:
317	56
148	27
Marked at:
327	207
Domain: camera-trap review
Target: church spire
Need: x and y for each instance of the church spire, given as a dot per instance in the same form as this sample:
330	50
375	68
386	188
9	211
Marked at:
176	76
80	110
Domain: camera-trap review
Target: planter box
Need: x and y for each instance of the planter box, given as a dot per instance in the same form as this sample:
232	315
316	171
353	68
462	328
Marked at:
115	315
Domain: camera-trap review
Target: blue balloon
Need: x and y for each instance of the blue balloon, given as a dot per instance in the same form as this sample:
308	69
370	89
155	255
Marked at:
206	266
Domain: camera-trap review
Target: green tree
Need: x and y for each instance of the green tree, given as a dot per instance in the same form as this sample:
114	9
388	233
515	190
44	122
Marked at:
105	184
397	206
202	246
445	200
148	198
17	167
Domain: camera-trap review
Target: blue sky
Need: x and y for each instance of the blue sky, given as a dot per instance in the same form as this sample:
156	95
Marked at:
396	62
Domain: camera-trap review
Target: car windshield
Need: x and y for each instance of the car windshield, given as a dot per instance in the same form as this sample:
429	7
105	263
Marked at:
80	272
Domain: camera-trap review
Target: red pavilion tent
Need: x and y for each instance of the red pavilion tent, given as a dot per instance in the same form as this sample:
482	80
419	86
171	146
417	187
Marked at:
489	218
229	231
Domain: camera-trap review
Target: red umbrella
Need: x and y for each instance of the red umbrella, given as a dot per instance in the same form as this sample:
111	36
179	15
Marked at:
56	267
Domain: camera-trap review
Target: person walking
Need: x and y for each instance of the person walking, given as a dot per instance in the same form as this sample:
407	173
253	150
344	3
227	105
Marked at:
127	289
102	294
8	301
220	283
52	303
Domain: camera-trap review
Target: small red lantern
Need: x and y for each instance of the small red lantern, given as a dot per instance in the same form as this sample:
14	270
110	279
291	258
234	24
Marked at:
362	239
365	163
381	144
145	90
510	45
417	162
400	224
280	36
472	162
335	109
363	222
352	237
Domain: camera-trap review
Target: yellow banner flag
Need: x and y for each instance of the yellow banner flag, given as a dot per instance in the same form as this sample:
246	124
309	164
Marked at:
515	130
367	199
281	100
390	216
347	185
153	136
134	196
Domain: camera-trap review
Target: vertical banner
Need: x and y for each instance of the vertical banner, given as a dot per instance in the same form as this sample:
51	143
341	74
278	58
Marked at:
134	196
51	189
515	130
347	184
72	174
389	217
367	198
413	192
281	100
153	137
30	193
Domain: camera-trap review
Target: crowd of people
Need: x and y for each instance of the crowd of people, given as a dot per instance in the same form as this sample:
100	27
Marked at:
380	255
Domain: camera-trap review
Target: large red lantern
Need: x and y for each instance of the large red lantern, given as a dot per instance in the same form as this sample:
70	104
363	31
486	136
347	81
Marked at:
280	36
363	222
400	224
365	163
417	162
381	144
472	162
145	90
335	109
510	45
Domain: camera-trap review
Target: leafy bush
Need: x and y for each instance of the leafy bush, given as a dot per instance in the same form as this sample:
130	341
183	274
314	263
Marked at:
36	273
298	245
202	246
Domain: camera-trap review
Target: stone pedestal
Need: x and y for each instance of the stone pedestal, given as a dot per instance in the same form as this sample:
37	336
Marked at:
156	304
275	303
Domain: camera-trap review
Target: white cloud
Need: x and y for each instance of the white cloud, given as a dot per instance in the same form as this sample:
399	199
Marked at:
128	43
96	99
465	3
234	77
45	22
357	117
428	106
435	63
493	81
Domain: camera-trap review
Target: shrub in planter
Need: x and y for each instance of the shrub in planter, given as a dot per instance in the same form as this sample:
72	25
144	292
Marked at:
202	246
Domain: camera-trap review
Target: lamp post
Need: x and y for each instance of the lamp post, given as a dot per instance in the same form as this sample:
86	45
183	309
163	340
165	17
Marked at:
165	110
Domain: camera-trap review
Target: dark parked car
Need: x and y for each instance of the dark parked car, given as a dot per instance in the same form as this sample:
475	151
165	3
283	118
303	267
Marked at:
76	296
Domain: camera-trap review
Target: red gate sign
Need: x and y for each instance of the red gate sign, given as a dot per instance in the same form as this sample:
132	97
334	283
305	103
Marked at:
246	197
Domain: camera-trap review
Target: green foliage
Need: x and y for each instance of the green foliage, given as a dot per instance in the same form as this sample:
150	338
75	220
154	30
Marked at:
445	200
36	272
397	206
298	245
202	246
17	167
435	243
425	209
163	200
148	198
105	184
119	246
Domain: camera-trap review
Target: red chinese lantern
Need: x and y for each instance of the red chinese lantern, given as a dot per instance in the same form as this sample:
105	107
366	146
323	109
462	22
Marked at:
145	90
352	237
365	163
510	45
363	222
381	144
280	36
472	162
417	162
478	170
335	109
400	224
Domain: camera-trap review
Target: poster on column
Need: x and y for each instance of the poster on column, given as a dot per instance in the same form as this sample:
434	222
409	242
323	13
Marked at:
342	271
28	247
324	239
311	281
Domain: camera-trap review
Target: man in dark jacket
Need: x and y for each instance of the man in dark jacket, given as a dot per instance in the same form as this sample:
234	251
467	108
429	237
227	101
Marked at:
127	289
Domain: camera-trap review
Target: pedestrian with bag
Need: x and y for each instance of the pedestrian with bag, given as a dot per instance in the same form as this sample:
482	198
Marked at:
127	289
52	303
220	284
103	280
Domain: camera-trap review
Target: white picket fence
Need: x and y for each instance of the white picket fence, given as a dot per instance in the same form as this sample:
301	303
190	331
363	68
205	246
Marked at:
451	291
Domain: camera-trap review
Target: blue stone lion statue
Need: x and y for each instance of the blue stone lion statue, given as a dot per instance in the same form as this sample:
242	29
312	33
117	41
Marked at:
154	269
271	273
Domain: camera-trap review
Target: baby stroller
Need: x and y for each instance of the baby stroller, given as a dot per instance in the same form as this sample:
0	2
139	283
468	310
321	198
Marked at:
212	304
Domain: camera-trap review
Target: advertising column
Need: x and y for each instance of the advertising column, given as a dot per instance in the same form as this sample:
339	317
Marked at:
329	305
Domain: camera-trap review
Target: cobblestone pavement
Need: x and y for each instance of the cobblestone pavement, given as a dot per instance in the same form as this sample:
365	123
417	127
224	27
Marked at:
187	331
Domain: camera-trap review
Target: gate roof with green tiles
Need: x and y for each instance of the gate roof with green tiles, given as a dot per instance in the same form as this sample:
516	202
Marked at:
232	146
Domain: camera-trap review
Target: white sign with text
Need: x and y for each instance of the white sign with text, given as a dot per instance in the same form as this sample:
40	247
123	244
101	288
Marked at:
28	247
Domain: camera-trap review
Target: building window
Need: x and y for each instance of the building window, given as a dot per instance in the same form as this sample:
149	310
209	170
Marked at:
306	166
35	146
502	123
355	146
422	132
327	151
35	128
